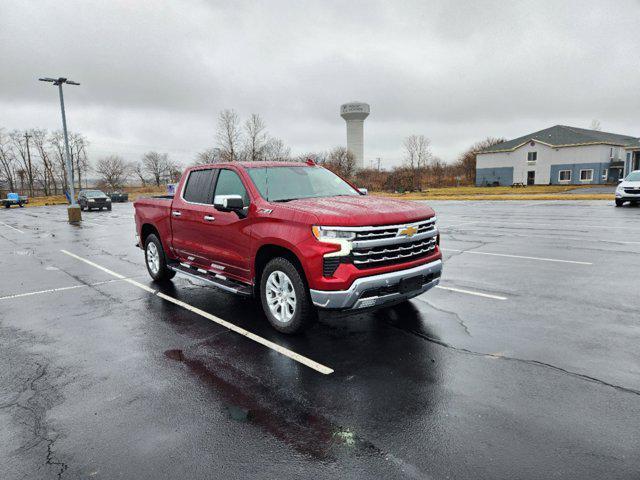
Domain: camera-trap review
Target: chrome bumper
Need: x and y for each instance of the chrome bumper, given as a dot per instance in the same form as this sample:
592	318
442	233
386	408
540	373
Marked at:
351	299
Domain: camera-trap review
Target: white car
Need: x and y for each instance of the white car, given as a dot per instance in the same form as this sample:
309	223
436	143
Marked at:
629	189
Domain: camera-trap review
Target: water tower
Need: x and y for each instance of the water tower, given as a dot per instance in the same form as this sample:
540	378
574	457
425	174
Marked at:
354	114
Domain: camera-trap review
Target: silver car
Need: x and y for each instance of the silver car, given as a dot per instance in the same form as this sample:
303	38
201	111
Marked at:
629	189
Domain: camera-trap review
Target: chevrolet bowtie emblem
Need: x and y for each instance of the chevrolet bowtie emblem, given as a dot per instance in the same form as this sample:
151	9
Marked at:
409	231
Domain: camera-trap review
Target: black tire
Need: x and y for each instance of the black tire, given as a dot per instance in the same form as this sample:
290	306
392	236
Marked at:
109	208
162	274
619	203
304	312
7	205
21	205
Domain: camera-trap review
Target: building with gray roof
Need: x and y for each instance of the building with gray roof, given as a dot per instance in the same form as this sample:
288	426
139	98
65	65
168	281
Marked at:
559	155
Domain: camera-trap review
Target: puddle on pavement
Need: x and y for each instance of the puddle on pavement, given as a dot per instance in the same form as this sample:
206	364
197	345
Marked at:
247	400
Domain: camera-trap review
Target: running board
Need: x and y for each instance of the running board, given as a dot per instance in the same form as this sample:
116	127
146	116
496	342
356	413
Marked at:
212	279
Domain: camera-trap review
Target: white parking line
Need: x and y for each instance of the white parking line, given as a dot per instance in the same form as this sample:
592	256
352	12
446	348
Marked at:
542	259
12	228
318	367
469	292
52	290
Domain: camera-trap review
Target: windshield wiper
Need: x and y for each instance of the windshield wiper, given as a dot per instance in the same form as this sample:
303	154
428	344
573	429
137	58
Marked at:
283	200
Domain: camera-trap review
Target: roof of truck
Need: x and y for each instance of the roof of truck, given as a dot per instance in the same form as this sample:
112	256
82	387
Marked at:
257	164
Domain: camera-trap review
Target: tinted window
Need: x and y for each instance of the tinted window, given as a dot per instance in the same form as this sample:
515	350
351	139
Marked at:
289	183
199	185
229	183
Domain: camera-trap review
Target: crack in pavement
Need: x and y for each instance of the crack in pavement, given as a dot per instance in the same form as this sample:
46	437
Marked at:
538	363
442	310
36	405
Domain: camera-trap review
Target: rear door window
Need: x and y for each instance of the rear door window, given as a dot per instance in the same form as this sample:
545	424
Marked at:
199	188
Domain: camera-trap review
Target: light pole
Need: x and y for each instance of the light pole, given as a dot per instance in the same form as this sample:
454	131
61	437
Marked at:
74	209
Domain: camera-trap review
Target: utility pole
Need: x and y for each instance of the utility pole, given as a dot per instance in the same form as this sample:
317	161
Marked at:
73	210
30	171
378	163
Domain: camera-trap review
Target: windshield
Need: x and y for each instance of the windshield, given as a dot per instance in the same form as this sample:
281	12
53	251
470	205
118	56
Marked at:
633	177
94	193
292	183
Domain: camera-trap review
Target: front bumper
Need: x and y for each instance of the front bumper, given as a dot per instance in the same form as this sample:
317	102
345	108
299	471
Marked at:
378	290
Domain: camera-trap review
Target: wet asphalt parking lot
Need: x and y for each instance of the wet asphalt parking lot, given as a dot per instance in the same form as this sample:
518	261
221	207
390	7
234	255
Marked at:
525	364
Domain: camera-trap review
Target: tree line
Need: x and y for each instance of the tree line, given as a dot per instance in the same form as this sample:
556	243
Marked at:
33	161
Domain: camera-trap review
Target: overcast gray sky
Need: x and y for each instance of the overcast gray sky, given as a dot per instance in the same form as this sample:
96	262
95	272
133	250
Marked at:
155	74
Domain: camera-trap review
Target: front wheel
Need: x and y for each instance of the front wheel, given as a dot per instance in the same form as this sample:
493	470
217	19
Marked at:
619	203
285	298
156	260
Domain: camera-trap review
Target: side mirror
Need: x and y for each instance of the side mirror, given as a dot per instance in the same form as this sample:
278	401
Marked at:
363	191
228	203
620	180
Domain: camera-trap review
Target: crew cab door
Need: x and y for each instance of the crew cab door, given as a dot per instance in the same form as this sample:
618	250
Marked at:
229	238
192	214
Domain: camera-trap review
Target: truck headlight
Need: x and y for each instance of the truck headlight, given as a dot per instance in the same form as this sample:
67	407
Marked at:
108	199
329	234
336	236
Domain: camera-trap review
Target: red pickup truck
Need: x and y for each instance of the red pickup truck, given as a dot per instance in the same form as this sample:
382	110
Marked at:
295	235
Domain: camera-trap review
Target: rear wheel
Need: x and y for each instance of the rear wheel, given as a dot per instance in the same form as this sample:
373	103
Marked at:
619	202
285	298
156	260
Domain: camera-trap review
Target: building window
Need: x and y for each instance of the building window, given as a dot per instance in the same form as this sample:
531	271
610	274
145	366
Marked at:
611	152
532	157
586	175
628	156
605	174
564	176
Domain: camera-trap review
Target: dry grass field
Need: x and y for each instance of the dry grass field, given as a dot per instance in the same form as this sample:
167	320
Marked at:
535	192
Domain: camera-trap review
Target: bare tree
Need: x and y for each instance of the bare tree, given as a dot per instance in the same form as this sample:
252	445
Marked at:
138	170
20	145
341	161
417	153
40	139
156	165
595	124
256	138
79	159
229	135
210	155
7	161
56	141
466	163
275	150
113	171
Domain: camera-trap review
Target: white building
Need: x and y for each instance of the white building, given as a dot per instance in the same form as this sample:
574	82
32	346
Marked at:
559	155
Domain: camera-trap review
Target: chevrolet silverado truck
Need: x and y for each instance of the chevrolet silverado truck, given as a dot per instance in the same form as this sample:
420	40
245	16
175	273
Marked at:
294	235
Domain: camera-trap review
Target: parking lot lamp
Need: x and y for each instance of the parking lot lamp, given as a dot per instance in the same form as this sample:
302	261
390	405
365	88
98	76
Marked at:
74	209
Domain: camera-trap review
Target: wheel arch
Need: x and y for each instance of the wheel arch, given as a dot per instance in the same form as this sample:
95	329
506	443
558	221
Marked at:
269	251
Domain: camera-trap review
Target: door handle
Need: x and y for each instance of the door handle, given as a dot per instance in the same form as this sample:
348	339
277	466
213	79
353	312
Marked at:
176	214
209	218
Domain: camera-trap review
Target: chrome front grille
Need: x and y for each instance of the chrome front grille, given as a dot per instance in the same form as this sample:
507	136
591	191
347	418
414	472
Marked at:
391	244
390	254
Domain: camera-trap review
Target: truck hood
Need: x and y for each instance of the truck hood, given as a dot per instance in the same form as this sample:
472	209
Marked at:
361	210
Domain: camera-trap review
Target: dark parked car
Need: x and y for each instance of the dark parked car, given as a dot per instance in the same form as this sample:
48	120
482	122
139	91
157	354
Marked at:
90	199
120	197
